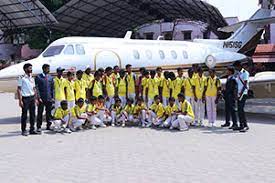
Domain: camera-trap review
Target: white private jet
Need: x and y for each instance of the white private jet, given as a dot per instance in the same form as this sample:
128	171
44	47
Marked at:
79	52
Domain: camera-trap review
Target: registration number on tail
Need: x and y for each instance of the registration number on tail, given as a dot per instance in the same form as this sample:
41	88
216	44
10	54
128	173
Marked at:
232	44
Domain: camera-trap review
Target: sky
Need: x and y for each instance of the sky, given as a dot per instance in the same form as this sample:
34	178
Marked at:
243	9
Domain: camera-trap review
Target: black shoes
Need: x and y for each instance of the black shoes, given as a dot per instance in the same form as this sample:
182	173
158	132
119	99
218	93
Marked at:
25	133
33	133
226	125
39	131
245	129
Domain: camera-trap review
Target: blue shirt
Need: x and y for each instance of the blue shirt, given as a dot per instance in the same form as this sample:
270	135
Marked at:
44	84
243	76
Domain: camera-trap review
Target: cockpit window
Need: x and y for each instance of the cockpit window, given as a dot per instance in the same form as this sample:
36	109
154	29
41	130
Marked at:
69	50
80	49
53	50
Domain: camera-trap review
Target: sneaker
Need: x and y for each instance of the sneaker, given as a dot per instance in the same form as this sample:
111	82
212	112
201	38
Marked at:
67	130
123	125
184	129
225	125
103	126
171	128
93	127
148	125
33	133
39	131
143	125
73	129
113	124
25	133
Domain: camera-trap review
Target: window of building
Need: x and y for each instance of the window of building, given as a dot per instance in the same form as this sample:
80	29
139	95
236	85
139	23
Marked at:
161	54
168	35
174	54
136	54
69	50
185	54
53	50
80	49
149	54
149	35
187	35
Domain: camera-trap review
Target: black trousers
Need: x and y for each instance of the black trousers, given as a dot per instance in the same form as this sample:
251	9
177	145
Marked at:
230	110
28	105
41	106
241	112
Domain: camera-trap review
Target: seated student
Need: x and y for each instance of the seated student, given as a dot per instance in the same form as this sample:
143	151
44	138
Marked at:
121	87
79	115
93	120
102	112
129	111
140	111
186	116
171	112
156	113
117	113
61	118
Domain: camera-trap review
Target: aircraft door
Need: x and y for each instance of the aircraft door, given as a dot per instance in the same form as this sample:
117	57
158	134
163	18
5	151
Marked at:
105	58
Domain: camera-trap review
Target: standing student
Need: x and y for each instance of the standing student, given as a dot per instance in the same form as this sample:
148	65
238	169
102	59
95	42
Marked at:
27	99
115	74
70	90
177	84
159	73
186	116
139	81
121	88
188	87
92	114
243	87
131	82
144	86
230	95
156	113
61	118
109	87
96	86
80	86
211	92
59	87
117	113
152	88
79	115
165	88
170	112
44	85
199	84
140	112
88	76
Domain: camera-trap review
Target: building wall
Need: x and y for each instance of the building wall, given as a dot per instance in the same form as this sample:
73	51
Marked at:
272	30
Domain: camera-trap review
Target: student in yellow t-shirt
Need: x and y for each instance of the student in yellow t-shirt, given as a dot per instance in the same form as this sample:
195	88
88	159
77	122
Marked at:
170	112
176	85
118	117
199	84
70	90
156	113
88	76
79	115
212	89
165	88
61	118
186	116
80	86
188	87
96	86
129	112
59	87
92	114
144	85
109	87
152	88
131	82
121	87
102	112
140	111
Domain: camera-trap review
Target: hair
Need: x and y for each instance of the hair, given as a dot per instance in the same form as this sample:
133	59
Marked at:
108	69
172	99
64	103
140	99
100	97
200	69
117	100
237	64
190	70
69	73
166	73
79	72
159	69
152	72
181	95
93	98
128	65
122	72
26	66
172	75
231	69
116	67
142	69
45	66
100	69
146	73
156	97
80	100
179	69
97	73
130	100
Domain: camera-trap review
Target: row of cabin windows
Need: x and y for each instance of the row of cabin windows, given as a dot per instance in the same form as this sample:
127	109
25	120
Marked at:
149	54
78	49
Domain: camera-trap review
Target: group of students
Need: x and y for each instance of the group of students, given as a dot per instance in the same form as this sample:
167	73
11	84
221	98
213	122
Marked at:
114	96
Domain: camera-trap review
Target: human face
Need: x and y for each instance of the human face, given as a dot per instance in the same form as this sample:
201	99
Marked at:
59	73
116	70
181	99
64	107
79	76
157	101
88	71
180	73
93	102
29	70
129	69
46	70
212	74
171	103
80	104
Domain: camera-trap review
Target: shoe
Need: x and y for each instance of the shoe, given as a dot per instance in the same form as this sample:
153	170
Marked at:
171	128
143	125
25	133
226	125
148	125
48	128
33	133
195	123
211	125
123	125
39	131
244	129
184	129
67	130
232	127
73	129
93	127
103	126
236	128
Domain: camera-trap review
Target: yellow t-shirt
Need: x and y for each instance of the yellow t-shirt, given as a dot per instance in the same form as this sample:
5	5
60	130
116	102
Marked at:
195	75
139	108
60	113
77	111
186	107
97	88
110	87
59	86
188	87
212	85
70	87
80	89
115	76
153	87
88	78
166	86
117	109
171	109
121	85
129	109
91	108
144	85
176	86
199	84
158	109
131	83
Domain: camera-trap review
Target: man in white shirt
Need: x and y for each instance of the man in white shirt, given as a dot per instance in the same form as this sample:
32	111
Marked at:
27	99
243	87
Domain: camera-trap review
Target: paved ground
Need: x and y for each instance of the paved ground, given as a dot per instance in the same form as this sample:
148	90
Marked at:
136	155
